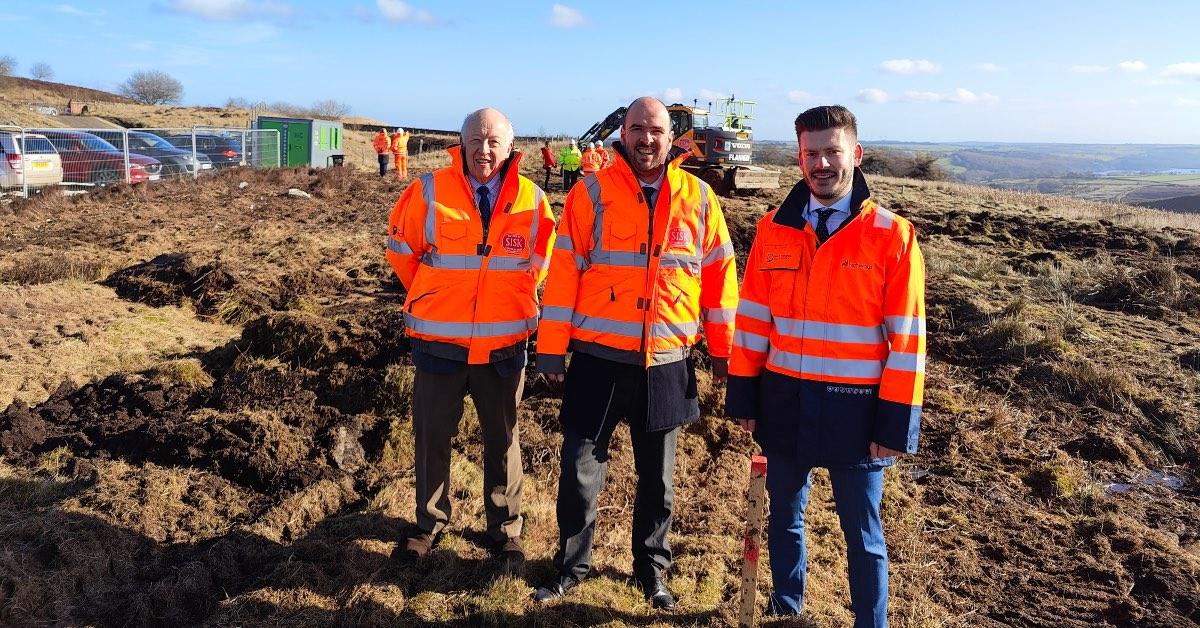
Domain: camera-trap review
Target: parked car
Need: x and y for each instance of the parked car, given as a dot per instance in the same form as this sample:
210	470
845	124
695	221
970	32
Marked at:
89	159
28	158
176	162
225	151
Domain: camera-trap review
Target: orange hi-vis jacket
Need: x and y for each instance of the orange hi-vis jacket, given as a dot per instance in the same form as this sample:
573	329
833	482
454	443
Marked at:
605	157
380	143
400	143
829	353
633	283
590	161
472	289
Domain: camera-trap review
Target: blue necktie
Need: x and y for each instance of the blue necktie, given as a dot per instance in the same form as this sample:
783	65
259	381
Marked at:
822	223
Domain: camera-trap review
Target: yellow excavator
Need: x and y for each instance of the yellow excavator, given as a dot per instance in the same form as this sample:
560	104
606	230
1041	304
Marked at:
720	140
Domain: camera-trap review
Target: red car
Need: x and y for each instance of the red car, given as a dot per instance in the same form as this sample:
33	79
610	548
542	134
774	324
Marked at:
89	159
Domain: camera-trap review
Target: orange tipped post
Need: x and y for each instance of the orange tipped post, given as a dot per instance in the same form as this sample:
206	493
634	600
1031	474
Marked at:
756	499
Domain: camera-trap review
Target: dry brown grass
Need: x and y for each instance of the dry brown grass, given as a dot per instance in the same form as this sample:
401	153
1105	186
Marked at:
90	334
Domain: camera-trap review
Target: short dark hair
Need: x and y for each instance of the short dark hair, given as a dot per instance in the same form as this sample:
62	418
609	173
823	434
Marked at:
826	117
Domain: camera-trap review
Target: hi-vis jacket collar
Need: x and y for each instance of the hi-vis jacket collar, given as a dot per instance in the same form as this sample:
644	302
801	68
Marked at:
791	212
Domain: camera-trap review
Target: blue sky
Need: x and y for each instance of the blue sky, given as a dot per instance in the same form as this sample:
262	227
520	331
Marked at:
1096	72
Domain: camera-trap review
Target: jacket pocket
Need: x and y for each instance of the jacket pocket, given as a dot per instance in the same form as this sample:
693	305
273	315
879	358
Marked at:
620	236
454	229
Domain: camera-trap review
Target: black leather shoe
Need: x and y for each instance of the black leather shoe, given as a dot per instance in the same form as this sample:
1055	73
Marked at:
657	593
554	588
512	557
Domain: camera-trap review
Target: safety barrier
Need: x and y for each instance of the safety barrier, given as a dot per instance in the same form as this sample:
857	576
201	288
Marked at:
77	159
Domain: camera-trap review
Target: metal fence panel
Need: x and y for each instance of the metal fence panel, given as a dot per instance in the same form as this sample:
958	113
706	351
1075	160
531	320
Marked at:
78	159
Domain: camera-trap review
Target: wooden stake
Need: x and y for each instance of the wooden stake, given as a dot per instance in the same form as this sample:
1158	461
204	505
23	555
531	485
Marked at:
756	500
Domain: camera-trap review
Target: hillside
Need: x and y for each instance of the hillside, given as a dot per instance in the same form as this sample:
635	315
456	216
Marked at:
211	423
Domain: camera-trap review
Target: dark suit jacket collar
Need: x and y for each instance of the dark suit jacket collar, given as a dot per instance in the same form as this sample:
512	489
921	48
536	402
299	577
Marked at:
791	212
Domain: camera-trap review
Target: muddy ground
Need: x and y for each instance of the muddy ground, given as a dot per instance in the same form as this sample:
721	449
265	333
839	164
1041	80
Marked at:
243	455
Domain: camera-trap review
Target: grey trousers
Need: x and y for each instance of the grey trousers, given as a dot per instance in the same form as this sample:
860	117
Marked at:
437	410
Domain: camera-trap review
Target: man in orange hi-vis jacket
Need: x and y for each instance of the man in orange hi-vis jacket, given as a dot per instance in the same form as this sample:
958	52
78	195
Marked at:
383	147
470	242
400	152
642	266
602	153
828	365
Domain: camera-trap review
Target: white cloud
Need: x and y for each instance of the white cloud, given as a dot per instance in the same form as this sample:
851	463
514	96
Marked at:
914	96
1089	69
910	66
708	94
398	11
564	16
959	96
142	46
873	96
1132	66
1187	102
990	68
798	97
1190	70
231	10
672	94
70	9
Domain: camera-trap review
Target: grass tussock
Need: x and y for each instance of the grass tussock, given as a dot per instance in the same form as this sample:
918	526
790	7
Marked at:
1087	382
28	271
185	372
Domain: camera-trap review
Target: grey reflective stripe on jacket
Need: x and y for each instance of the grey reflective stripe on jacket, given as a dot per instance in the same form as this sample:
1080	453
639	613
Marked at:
818	365
469	330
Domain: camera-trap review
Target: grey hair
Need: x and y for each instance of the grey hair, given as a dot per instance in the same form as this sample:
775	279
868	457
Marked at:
473	118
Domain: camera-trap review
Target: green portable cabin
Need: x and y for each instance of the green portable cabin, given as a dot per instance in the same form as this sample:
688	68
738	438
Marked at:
305	142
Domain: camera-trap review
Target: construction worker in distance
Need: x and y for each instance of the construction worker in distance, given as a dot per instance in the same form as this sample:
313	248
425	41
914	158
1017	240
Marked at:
605	158
470	242
642	265
400	150
548	163
383	147
828	365
570	158
589	161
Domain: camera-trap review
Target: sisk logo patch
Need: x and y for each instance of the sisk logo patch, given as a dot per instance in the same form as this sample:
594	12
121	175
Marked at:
513	243
679	236
856	265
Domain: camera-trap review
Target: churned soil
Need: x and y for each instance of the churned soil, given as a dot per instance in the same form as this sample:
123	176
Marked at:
263	476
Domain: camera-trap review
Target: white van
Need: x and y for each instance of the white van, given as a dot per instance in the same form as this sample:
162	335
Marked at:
32	155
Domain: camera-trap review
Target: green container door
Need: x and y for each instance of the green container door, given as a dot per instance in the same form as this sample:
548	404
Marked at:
294	137
299	144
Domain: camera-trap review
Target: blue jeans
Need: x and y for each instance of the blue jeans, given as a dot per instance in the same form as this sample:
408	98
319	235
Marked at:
857	494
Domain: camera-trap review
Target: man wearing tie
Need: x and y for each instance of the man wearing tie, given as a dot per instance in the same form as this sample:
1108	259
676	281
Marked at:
470	242
828	363
642	265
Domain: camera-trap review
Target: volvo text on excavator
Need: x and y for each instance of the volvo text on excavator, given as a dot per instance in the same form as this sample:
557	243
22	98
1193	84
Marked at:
720	140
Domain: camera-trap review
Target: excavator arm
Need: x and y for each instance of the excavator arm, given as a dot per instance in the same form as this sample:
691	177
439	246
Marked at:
604	128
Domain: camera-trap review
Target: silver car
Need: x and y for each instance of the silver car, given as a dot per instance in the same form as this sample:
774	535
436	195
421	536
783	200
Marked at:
28	158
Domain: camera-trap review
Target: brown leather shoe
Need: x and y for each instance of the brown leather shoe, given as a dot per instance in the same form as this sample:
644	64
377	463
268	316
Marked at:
512	557
415	547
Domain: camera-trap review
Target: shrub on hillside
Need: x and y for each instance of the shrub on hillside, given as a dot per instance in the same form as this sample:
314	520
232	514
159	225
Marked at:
152	87
922	166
